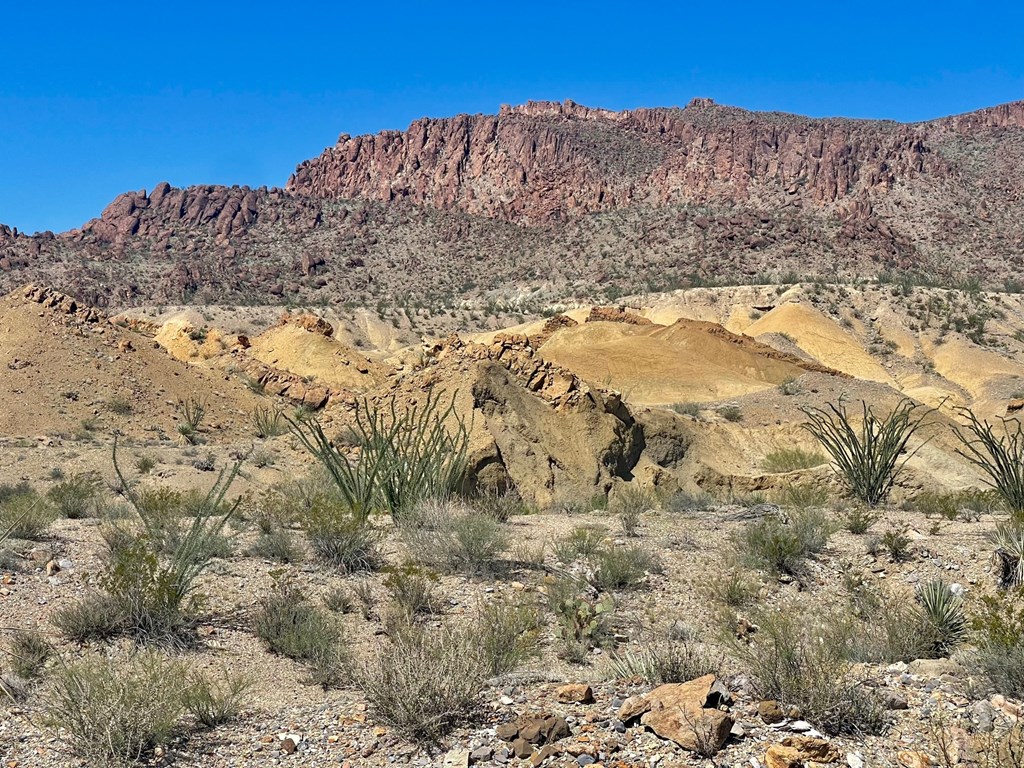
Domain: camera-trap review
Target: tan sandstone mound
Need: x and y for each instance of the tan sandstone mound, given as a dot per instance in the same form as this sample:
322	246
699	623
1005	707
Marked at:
686	361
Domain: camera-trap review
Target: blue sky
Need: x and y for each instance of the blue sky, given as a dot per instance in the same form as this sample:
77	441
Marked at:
96	102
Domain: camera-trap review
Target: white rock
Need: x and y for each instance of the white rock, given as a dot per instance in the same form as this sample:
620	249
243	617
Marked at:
855	760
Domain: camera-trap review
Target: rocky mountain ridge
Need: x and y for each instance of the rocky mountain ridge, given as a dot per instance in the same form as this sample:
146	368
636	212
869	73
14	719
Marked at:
569	199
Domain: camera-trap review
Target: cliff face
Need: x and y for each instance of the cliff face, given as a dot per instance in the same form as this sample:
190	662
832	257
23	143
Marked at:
545	161
585	201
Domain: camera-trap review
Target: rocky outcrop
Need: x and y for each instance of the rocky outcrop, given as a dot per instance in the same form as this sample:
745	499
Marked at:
559	192
546	160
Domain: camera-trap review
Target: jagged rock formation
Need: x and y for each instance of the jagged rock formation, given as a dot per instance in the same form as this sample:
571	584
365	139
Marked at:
583	201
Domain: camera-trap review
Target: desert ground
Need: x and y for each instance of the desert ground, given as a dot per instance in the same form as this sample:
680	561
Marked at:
647	559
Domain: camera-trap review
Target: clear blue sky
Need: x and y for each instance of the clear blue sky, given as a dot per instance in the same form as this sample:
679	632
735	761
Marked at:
96	102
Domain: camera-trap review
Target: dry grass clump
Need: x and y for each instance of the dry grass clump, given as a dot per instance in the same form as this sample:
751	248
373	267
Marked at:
622	567
424	681
450	536
292	626
783	546
803	662
792	459
113	712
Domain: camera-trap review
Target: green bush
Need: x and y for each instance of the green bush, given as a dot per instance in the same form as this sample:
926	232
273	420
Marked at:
115	711
582	541
215	702
412	590
686	409
339	537
784	547
665	660
506	633
622	567
999	627
629	504
791	459
78	496
869	459
894	541
278	545
731	413
26	515
858	518
28	653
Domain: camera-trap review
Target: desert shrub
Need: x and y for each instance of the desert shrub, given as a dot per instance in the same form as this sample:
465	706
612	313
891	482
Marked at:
731	586
683	501
731	413
8	491
686	409
78	496
291	626
404	456
423	681
338	600
502	506
894	541
144	464
412	590
25	514
858	518
999	630
868	459
583	623
629	504
664	660
582	541
121	406
268	422
791	459
339	537
803	496
278	545
622	567
363	592
115	711
28	653
802	661
893	628
506	633
784	547
192	410
967	504
449	536
999	455
138	597
215	702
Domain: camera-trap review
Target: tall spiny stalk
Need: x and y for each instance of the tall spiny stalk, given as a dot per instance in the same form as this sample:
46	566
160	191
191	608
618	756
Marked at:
868	458
403	456
999	456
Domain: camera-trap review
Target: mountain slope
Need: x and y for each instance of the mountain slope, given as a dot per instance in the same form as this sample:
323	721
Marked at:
551	200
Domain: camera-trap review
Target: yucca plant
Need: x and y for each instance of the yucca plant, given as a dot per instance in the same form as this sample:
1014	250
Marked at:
404	456
999	454
944	615
1009	541
869	458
